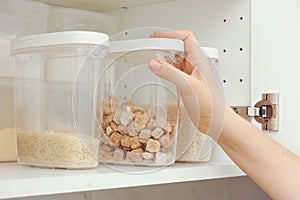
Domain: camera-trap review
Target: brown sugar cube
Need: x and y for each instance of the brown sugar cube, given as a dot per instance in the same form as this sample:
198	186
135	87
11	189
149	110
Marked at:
145	133
113	126
162	158
135	143
104	124
109	105
126	117
135	155
157	133
131	130
107	110
139	150
127	109
143	140
118	155
148	156
108	118
152	146
117	116
142	120
108	130
115	138
133	133
127	103
152	124
137	110
122	129
138	127
126	148
126	141
104	139
161	122
167	128
164	141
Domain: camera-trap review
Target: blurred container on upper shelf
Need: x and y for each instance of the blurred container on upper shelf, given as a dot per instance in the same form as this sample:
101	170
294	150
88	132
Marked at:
70	19
137	110
18	18
54	98
192	145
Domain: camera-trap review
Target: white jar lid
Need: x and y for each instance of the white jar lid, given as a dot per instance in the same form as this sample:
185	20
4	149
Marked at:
59	38
157	43
147	43
210	52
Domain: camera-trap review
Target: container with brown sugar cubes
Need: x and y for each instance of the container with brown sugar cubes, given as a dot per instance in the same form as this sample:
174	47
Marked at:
138	111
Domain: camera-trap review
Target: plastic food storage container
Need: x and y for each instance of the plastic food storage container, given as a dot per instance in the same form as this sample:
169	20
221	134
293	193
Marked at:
16	18
138	111
192	145
54	101
7	131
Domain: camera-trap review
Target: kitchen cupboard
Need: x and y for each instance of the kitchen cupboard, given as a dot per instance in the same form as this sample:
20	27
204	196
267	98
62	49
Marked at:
258	42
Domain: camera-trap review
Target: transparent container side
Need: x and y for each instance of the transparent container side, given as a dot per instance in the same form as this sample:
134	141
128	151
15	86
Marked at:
55	128
7	127
137	112
192	145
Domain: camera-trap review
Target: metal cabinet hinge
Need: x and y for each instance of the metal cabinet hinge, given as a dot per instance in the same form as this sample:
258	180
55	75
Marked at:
265	111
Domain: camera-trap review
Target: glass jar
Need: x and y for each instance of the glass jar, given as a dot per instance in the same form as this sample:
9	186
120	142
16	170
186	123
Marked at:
54	102
192	145
137	110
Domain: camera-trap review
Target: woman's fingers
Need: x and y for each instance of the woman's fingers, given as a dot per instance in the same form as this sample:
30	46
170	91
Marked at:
193	53
180	35
172	74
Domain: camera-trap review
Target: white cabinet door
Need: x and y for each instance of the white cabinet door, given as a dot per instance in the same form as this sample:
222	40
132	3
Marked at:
275	63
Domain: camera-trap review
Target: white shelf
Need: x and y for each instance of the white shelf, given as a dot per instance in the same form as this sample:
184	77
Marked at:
22	181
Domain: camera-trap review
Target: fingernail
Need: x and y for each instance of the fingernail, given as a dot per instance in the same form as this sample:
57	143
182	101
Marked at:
155	65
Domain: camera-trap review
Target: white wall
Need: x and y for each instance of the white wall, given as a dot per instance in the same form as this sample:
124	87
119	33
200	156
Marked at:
275	62
206	19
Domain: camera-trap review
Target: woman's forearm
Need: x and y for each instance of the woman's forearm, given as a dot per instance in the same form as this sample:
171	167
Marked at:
270	165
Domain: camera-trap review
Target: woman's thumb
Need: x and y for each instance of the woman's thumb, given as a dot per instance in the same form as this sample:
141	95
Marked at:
170	73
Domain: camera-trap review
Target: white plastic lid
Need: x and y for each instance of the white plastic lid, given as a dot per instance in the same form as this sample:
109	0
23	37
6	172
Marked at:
157	43
147	43
59	38
211	53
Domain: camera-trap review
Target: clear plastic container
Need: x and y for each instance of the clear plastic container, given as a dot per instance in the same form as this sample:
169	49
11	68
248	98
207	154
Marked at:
67	19
137	110
54	101
7	131
192	145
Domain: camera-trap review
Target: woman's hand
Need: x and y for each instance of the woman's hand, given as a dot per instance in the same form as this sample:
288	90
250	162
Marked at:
195	82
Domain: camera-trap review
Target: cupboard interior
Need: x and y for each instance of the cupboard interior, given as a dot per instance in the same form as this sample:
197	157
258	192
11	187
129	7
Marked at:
222	24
